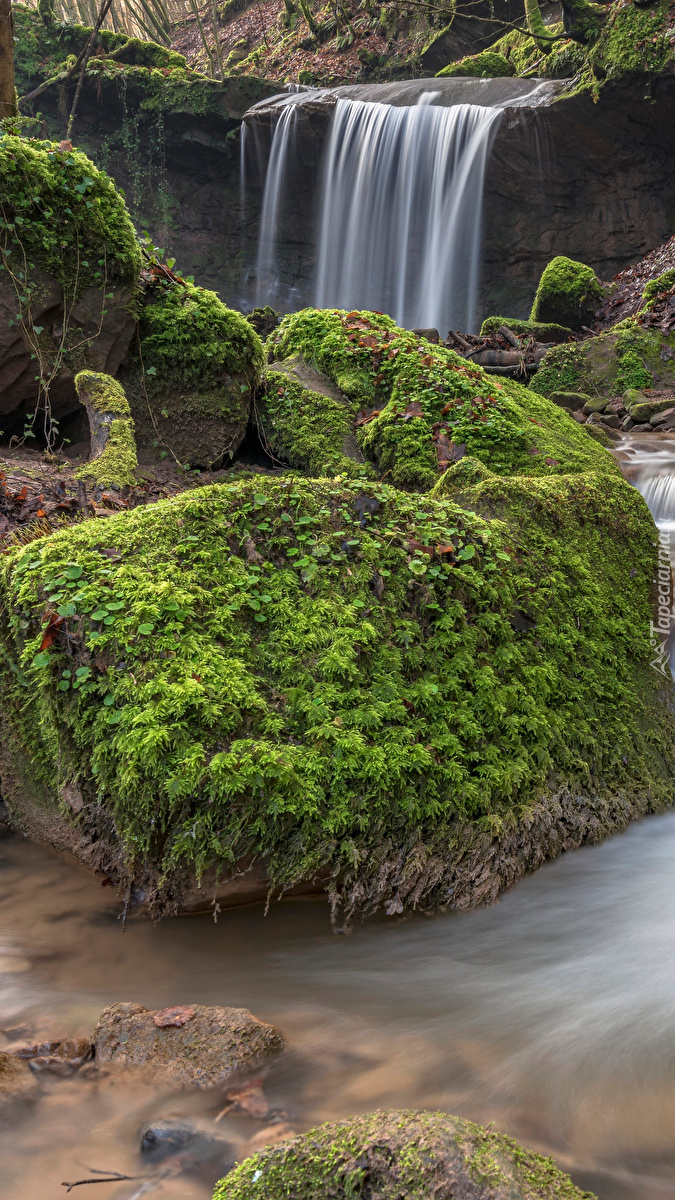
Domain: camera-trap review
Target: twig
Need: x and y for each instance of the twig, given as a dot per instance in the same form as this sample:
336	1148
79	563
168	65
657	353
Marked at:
112	1177
103	12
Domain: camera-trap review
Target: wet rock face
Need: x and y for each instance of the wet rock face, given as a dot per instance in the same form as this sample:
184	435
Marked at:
99	330
202	1050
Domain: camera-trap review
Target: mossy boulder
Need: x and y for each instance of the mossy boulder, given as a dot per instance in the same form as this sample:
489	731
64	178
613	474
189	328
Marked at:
113	460
400	1153
657	287
487	65
191	376
537	329
568	294
626	357
415	406
69	266
573	401
386	695
644	410
306	421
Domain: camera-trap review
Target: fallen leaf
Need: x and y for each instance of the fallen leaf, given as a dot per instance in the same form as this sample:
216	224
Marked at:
173	1018
54	623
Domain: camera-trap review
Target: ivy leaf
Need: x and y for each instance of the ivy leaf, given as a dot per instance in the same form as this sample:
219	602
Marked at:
146	628
42	660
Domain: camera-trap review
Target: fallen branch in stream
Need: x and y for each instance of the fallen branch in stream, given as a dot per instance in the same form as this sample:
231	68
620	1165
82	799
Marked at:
103	1177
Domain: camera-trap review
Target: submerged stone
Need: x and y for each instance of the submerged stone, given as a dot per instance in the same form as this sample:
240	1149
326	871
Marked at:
213	1047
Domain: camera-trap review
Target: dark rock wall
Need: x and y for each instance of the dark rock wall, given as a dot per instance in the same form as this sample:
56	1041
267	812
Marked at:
595	181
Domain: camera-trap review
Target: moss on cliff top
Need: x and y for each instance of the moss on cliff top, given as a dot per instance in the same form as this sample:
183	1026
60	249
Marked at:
488	64
419	400
400	1153
323	673
61	214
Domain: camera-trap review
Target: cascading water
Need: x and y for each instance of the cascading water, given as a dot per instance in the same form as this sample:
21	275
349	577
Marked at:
400	195
649	464
401	211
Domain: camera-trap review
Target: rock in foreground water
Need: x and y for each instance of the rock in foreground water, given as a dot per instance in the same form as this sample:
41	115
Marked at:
203	1050
395	1154
17	1085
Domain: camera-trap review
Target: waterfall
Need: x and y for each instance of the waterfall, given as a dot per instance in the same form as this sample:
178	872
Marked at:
275	179
650	466
401	210
392	174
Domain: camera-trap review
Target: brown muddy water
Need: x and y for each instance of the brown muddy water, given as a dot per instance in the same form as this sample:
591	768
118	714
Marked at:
551	1013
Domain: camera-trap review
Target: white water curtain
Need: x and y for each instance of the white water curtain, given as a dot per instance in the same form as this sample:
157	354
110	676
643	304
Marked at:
400	227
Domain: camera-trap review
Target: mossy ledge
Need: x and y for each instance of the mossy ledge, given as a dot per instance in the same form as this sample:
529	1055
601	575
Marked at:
399	1153
410	702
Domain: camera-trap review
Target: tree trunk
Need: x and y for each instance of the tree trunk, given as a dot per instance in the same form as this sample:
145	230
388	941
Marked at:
8	106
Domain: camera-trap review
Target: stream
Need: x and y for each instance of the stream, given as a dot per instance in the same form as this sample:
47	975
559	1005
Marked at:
551	1013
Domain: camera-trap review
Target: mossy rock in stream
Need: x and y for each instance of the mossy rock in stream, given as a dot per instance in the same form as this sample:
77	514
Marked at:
400	1153
625	357
191	376
415	405
389	694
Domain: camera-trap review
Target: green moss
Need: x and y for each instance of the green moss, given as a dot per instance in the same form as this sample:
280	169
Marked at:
568	293
400	1154
189	338
314	671
487	64
191	375
66	217
563	369
103	392
307	429
536	329
634	39
625	357
116	465
656	288
416	396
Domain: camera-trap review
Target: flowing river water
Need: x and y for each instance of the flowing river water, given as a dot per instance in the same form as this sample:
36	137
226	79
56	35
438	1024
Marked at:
552	1013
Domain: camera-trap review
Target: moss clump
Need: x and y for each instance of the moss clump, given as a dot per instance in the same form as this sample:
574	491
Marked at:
62	216
417	397
396	1154
657	287
568	293
191	374
540	330
487	65
625	357
116	464
307	429
328	675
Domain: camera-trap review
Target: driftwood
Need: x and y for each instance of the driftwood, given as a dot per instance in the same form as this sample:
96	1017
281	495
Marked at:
500	353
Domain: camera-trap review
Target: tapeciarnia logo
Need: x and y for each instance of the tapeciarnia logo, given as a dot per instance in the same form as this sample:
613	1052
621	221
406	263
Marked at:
659	633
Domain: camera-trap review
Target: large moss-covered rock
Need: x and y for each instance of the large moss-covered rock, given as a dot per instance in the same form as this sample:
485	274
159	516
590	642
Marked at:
307	421
69	267
568	294
397	1154
415	406
626	357
191	376
409	702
